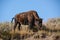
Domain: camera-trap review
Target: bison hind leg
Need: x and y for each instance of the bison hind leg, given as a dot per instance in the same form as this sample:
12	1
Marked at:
15	25
19	26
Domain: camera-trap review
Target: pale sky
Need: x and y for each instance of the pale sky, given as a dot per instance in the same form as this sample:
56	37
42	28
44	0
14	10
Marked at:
45	8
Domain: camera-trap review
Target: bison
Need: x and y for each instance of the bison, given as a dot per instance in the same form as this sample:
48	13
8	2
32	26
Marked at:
30	18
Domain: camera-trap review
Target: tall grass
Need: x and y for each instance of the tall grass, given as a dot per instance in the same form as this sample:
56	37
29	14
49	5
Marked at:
50	30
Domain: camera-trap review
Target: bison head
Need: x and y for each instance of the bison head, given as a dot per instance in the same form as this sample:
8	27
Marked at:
38	23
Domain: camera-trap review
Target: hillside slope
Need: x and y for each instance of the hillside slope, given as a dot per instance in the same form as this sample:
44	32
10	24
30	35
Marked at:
49	31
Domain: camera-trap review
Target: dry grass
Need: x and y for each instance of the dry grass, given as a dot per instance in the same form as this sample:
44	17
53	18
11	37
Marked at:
53	24
49	31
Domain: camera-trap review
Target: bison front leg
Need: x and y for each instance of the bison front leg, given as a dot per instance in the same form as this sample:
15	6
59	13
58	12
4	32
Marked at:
31	22
30	25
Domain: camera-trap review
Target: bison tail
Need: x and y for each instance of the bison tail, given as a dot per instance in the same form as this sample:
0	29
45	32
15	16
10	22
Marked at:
12	19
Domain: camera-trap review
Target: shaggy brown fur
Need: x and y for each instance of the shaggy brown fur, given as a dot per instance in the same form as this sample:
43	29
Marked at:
31	18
